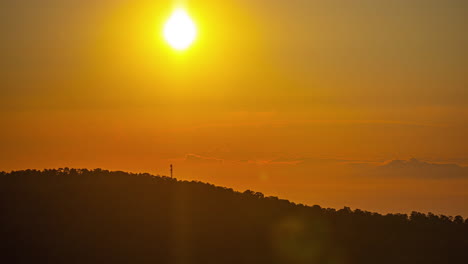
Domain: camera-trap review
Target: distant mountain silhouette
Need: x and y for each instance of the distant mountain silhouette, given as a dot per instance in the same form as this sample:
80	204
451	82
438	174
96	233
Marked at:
414	168
83	216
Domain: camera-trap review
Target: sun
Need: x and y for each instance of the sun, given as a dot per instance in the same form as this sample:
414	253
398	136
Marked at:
180	31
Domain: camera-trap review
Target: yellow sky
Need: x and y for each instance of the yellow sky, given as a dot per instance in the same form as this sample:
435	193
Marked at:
309	100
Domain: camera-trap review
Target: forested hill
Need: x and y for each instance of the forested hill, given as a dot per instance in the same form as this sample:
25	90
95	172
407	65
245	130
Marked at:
81	216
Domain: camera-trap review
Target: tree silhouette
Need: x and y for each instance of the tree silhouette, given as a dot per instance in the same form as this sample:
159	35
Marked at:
82	216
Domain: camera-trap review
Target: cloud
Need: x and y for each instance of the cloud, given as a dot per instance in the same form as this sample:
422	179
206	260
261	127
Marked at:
195	158
415	168
202	159
278	161
412	168
287	123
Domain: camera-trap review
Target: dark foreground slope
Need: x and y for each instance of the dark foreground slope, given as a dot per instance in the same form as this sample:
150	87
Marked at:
81	216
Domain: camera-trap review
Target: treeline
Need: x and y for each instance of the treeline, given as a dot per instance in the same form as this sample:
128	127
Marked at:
98	216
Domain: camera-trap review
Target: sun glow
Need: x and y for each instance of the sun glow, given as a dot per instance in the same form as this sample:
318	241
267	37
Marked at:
180	30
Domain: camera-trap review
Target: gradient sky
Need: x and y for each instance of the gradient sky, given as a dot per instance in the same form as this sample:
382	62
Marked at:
333	102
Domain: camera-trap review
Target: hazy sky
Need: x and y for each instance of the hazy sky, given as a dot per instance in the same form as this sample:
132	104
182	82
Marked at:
322	102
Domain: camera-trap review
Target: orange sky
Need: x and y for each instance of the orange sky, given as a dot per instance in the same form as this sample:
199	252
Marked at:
315	101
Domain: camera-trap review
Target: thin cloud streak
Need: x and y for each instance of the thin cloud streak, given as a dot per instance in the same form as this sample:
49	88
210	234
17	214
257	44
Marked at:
285	123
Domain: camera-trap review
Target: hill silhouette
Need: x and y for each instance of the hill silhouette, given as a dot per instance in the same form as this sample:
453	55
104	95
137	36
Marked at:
99	216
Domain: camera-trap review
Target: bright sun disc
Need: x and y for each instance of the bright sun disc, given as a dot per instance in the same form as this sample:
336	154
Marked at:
180	30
